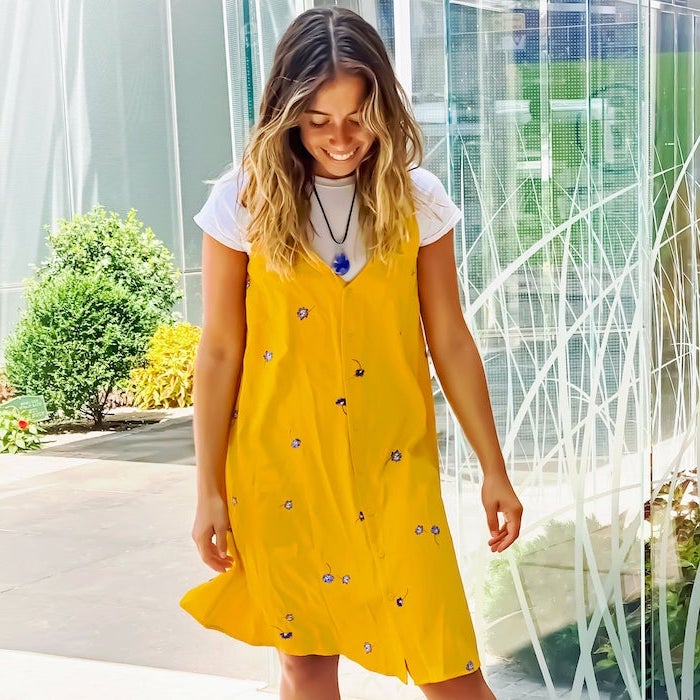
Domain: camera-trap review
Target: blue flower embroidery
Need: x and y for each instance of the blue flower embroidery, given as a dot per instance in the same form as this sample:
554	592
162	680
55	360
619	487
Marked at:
267	356
419	530
328	578
346	579
359	372
302	313
341	402
283	634
296	443
470	666
288	505
368	648
396	456
435	530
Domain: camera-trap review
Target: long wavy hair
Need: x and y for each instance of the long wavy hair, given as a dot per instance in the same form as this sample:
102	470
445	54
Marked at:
319	45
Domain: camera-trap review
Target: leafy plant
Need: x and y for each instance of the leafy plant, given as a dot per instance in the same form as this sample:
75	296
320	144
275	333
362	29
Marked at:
165	381
674	516
77	338
18	433
122	250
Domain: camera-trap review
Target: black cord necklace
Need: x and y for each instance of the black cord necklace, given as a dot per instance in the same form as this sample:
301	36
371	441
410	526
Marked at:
341	263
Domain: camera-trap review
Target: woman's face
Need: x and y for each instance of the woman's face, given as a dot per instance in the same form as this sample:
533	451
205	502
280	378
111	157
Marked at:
330	128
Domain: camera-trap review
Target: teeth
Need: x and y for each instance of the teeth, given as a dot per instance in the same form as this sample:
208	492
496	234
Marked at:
343	156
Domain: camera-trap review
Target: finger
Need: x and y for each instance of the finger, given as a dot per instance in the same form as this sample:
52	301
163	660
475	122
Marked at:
209	553
498	537
492	518
210	556
513	533
220	537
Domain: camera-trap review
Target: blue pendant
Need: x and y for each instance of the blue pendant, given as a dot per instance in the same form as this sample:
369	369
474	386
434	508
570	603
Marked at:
341	264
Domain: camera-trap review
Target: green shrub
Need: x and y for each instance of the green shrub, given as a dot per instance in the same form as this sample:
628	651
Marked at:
78	337
18	433
680	524
120	249
165	381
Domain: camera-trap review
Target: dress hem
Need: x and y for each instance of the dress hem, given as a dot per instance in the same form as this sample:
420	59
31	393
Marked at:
403	677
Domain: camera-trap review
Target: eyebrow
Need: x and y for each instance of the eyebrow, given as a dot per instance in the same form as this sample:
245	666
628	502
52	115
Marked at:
325	114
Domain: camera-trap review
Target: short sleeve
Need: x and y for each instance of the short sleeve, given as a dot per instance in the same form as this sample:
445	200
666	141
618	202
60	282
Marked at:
436	213
222	216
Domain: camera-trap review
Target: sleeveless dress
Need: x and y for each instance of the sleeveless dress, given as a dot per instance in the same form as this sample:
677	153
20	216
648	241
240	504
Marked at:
340	541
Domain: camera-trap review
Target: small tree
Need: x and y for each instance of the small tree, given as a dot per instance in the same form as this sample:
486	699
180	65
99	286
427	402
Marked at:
123	250
79	335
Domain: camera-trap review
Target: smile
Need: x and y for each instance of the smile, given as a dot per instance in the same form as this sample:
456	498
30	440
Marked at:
341	156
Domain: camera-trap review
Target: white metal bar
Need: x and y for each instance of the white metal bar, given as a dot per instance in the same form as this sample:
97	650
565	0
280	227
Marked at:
402	45
176	140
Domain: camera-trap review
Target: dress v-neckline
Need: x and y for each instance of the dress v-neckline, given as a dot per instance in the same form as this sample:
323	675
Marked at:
315	260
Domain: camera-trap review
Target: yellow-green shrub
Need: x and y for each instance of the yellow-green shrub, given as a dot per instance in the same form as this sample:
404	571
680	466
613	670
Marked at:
165	381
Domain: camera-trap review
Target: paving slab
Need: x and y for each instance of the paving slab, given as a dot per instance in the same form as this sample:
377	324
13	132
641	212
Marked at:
30	676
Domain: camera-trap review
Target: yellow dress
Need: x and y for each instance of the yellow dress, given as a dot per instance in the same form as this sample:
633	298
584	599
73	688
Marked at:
341	541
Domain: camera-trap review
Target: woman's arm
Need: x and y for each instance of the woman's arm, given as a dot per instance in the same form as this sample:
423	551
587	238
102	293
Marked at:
461	374
216	379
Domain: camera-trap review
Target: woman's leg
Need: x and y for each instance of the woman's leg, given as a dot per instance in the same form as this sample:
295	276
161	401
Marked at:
470	687
309	677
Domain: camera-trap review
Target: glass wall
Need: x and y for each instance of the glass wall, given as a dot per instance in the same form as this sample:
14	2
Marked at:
568	134
119	102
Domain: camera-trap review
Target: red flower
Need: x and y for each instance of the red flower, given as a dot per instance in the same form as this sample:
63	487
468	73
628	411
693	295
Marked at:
23	425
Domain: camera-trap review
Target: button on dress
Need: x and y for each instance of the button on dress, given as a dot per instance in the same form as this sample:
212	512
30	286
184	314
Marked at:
340	541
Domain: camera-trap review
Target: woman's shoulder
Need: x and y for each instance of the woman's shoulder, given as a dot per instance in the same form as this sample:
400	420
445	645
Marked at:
229	185
223	216
436	213
427	183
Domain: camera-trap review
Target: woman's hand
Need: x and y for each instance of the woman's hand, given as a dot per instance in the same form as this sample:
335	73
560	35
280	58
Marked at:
209	532
498	496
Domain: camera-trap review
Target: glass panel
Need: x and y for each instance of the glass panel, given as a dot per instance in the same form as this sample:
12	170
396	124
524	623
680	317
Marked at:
674	521
109	129
203	122
35	185
545	164
119	112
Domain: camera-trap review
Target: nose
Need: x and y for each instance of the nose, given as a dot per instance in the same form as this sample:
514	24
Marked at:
340	136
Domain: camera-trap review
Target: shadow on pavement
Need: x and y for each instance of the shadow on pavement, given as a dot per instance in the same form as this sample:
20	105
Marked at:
169	442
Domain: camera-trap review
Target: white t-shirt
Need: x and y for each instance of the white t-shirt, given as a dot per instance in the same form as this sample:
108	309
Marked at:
223	217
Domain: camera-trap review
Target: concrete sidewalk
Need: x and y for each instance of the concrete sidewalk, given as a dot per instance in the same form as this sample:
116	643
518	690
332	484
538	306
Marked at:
30	676
96	553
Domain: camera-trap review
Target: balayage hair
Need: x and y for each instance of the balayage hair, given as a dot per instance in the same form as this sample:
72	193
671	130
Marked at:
319	45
